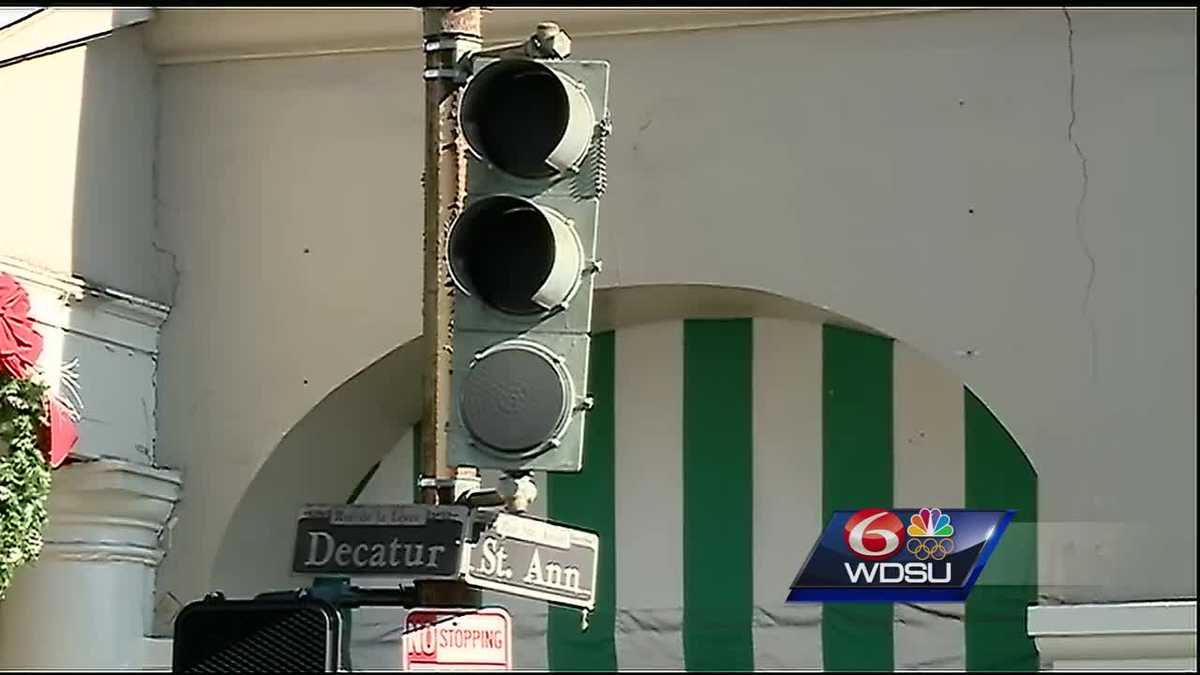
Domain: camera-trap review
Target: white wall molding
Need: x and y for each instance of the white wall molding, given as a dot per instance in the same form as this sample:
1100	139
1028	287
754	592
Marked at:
95	578
158	654
114	336
53	30
1138	635
110	511
206	35
70	289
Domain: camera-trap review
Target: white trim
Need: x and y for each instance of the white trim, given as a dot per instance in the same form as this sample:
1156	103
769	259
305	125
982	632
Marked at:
102	552
179	36
110	511
71	289
158	653
1132	618
1115	635
53	30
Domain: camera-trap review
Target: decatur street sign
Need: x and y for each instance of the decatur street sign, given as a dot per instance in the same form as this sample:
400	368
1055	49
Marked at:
532	558
413	540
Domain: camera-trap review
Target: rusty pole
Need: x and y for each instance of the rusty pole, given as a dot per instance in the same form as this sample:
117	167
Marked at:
450	33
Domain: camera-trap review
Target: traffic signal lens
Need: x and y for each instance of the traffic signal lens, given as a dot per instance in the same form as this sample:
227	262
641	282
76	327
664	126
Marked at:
514	255
526	119
516	398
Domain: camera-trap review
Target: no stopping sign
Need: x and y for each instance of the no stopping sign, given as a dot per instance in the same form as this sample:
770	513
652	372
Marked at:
458	639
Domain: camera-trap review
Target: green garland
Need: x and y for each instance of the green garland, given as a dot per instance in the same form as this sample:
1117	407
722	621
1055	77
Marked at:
24	475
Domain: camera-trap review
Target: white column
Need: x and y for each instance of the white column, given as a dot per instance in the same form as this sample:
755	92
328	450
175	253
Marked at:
87	602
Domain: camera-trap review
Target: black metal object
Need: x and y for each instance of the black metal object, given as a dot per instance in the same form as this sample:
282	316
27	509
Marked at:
301	630
293	632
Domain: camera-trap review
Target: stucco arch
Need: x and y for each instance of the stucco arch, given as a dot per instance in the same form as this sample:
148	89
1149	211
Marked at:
324	455
327	450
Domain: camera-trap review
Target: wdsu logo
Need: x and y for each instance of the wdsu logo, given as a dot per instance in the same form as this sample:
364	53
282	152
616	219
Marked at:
899	555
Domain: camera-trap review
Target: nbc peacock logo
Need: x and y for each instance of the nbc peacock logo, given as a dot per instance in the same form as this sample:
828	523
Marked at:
930	535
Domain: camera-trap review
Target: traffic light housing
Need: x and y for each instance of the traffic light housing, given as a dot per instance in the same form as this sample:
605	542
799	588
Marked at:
522	257
267	635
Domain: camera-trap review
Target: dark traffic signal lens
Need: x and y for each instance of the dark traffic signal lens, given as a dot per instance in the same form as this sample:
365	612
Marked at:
526	119
514	255
516	398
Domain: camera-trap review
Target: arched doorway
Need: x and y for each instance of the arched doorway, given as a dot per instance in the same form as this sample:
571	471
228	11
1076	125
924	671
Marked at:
729	423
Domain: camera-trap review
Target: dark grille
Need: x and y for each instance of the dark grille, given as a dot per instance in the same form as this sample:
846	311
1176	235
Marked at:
243	636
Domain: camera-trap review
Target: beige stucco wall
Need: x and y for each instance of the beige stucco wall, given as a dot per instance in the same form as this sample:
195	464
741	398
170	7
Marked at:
77	161
913	174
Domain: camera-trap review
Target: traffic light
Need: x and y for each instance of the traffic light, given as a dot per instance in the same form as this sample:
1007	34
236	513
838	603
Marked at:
522	256
289	634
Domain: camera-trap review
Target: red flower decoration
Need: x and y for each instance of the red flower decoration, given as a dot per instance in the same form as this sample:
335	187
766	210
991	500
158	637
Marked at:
60	437
20	344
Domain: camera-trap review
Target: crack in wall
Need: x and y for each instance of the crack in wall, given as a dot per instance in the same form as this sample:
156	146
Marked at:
176	273
1080	233
931	612
158	204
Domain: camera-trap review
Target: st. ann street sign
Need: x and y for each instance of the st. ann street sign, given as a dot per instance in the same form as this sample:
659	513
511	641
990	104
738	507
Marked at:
410	540
532	558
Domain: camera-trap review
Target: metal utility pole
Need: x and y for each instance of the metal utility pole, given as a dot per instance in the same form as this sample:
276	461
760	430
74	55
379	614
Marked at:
450	34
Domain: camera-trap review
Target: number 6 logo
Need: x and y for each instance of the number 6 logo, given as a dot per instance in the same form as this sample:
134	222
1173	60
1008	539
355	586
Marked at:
874	534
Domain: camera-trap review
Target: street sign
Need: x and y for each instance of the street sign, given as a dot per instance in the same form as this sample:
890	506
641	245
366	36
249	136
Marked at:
532	558
410	540
458	639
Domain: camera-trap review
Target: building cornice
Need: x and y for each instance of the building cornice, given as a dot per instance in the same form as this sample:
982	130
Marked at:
1120	631
70	289
178	36
53	30
110	511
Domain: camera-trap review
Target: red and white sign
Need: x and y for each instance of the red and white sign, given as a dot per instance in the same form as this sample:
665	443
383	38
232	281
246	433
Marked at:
458	639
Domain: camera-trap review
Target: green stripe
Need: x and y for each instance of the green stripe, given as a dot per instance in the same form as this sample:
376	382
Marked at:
586	500
718	505
999	476
857	473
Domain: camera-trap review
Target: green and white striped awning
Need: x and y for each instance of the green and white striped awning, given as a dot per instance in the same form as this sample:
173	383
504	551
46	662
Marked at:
716	451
